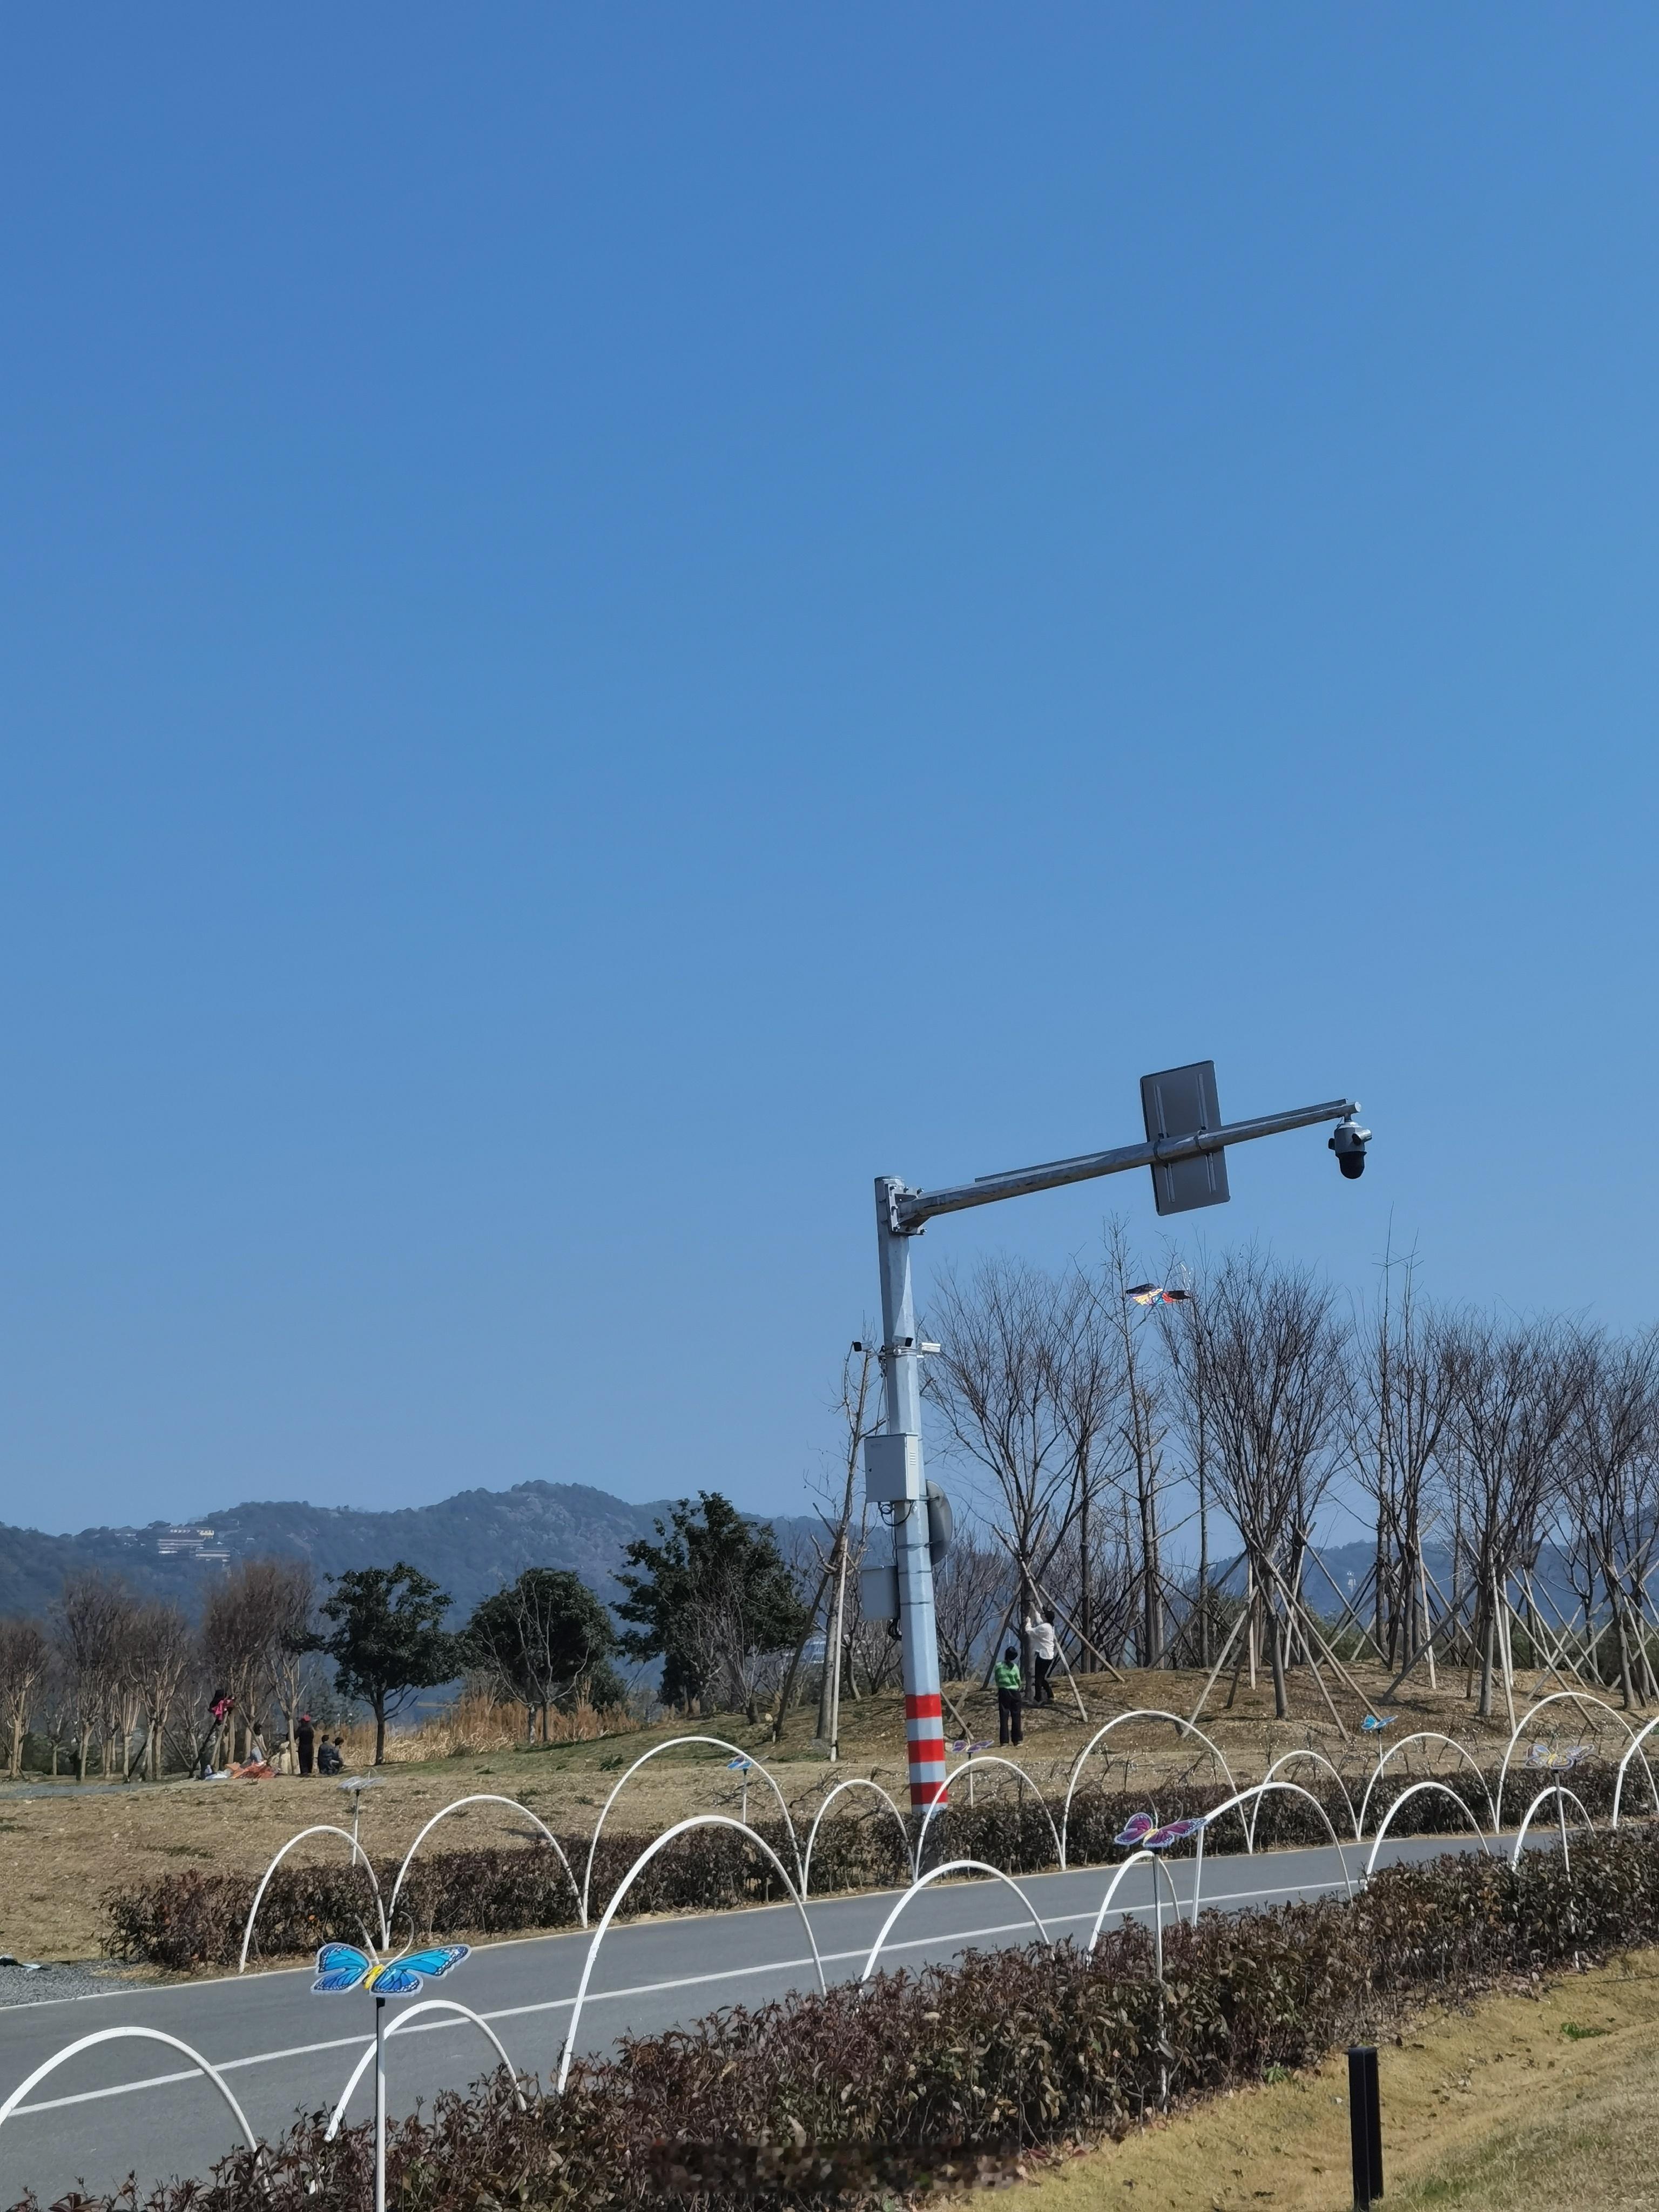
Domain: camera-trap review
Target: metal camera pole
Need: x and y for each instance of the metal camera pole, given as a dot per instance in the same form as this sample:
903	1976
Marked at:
1186	1149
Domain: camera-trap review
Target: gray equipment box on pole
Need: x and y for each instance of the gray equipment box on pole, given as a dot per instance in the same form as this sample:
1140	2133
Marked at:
892	1469
1181	1102
879	1598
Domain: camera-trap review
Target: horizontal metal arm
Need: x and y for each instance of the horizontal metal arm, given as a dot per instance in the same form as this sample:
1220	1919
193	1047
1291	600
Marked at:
911	1208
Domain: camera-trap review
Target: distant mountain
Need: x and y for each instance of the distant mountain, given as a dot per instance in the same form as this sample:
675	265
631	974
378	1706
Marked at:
470	1543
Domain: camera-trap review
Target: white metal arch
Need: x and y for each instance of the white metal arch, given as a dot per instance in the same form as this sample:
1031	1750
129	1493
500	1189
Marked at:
1579	1698
1141	1713
655	1752
1284	1759
400	2020
1138	1858
1561	1794
124	2034
990	1758
324	1828
1416	1790
1635	1751
679	1828
854	1782
1428	1736
955	1866
1254	1796
485	1797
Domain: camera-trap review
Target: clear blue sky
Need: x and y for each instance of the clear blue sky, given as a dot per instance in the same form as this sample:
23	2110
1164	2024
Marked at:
615	620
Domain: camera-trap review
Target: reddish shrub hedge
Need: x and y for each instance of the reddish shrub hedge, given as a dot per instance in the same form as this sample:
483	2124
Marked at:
192	1919
954	2070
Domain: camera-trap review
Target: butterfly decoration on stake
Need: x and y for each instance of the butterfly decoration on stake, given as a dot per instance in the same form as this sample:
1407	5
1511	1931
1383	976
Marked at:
1174	1831
1546	1757
343	1966
740	1765
961	1744
1143	1829
1373	1724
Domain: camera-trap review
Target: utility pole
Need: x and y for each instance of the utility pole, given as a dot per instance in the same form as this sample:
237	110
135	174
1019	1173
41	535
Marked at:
1186	1149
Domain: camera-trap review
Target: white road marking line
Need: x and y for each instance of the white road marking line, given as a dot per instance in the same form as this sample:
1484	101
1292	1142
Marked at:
609	1996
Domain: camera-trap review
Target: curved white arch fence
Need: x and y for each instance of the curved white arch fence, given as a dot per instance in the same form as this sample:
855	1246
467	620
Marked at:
325	1828
854	1782
955	1866
1286	1758
674	1743
679	1828
942	1802
1581	1698
1405	1798
1253	1796
1139	1858
1563	1796
1634	1751
485	1797
400	2021
1428	1736
1139	1713
131	2034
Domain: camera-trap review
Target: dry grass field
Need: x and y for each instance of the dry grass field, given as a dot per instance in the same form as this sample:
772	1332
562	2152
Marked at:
1550	2100
61	1850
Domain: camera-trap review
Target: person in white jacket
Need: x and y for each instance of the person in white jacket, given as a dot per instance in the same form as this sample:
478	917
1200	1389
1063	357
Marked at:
1044	1652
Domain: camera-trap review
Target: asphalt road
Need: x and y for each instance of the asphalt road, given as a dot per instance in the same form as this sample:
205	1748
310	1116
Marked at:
136	2106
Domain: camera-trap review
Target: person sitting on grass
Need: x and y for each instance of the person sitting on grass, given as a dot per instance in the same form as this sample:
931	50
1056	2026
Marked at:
329	1758
1011	1689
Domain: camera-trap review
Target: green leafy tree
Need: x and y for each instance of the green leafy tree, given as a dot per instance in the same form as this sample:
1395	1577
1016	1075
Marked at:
714	1600
539	1640
604	1687
389	1638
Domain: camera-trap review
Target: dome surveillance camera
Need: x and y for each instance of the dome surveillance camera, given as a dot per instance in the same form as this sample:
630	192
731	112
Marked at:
1349	1143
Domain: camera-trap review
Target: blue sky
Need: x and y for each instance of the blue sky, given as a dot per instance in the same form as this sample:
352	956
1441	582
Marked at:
615	621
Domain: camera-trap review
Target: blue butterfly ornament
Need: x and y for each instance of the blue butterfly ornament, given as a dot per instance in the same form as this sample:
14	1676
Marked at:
343	1966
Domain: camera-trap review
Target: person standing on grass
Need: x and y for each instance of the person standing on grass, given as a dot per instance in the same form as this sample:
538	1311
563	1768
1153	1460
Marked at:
1044	1652
305	1742
1011	1692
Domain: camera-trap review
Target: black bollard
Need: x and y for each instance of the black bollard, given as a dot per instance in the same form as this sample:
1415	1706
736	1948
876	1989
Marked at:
1364	2124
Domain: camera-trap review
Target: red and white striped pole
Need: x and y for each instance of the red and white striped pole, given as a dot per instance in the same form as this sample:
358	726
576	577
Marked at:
901	1368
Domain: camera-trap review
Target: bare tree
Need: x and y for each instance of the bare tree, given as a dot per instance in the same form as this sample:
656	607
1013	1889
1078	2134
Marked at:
1402	1399
90	1619
289	1604
1610	1489
55	1706
996	1384
1087	1350
1139	1420
1266	1351
24	1654
970	1595
1112	1576
858	1405
1515	1391
162	1652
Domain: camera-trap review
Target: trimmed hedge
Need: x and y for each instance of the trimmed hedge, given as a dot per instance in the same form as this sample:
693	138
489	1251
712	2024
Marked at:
956	2072
193	1919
